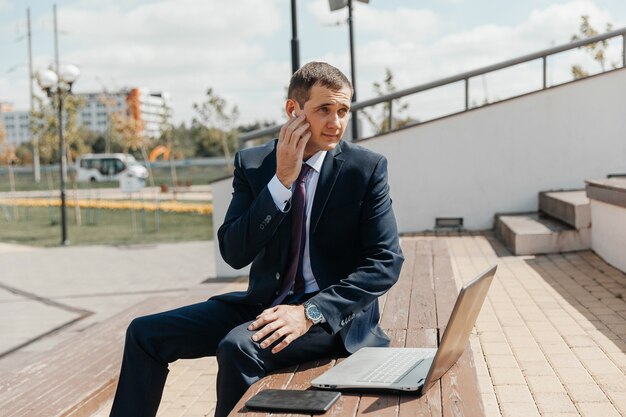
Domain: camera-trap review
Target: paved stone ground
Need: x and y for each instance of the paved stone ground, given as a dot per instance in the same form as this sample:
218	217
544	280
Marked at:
50	294
550	340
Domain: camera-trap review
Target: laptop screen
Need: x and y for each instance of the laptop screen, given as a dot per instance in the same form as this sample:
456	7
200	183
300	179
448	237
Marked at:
460	324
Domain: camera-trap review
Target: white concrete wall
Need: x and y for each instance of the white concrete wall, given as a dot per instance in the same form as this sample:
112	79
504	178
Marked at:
608	233
222	192
497	158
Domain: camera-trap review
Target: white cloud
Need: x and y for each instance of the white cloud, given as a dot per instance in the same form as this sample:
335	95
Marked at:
399	24
181	46
5	6
414	63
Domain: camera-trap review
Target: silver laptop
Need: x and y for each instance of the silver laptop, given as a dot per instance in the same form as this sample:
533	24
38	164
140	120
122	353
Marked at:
412	369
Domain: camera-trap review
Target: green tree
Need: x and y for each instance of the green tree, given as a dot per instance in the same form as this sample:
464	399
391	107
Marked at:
46	126
219	123
379	120
7	155
596	49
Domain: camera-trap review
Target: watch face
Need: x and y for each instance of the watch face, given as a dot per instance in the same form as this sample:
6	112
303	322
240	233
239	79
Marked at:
313	313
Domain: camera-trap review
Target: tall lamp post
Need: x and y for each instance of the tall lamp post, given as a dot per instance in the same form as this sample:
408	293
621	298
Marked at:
57	85
336	5
295	45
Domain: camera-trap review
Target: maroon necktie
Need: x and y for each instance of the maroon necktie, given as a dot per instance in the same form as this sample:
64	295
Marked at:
293	275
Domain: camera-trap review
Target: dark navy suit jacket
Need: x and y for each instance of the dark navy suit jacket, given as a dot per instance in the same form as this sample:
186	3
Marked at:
353	238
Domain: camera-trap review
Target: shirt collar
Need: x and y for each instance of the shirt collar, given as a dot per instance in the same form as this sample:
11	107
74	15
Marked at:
317	160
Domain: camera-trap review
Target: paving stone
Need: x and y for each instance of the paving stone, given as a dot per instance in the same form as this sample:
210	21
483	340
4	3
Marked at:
543	384
519	410
579	341
585	393
507	376
601	367
597	410
560	360
611	382
575	376
513	394
501	361
536	368
554	402
497	349
618	399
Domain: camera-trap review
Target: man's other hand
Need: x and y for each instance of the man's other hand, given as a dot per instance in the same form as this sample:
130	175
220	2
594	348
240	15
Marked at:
283	321
292	140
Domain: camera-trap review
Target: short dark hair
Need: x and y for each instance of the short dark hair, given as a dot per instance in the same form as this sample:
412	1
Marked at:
315	73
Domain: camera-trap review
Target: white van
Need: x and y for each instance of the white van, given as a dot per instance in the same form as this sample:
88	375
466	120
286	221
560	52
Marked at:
108	167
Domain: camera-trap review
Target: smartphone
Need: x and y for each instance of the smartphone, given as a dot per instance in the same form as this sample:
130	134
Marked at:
284	400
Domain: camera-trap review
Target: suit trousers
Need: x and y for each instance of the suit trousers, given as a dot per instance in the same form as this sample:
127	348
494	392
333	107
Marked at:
211	328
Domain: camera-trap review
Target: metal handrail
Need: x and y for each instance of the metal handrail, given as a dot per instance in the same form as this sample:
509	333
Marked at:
388	98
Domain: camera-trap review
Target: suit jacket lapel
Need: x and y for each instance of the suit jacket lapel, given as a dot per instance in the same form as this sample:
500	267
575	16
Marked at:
328	175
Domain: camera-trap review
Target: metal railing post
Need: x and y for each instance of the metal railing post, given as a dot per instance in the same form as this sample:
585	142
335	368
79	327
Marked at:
390	117
545	71
624	50
466	94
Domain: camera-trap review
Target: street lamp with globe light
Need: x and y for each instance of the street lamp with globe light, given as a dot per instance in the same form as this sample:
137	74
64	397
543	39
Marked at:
57	85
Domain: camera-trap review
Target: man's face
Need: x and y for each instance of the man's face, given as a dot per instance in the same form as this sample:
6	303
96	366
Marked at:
327	112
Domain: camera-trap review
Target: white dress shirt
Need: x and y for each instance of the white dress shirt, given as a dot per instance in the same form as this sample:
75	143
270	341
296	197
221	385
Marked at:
282	196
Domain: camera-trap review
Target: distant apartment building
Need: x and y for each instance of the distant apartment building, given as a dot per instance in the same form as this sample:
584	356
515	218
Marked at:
16	123
149	108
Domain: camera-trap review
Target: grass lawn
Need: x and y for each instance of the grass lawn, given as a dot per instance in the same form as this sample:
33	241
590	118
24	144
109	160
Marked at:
40	227
194	175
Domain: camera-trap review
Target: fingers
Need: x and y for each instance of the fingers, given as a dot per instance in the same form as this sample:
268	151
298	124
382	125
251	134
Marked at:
303	141
269	328
263	319
285	342
275	336
278	326
268	311
286	132
294	133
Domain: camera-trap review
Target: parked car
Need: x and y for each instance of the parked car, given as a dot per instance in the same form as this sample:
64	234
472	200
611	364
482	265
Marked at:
108	167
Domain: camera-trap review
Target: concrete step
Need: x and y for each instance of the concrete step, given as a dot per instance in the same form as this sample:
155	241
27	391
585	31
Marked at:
535	233
570	207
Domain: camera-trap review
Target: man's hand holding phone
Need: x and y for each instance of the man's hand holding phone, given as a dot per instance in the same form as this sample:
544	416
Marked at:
292	140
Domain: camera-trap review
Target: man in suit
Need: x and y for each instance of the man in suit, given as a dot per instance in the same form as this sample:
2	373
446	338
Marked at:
313	215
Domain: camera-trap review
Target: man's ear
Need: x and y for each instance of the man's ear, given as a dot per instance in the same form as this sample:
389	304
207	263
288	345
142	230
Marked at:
292	108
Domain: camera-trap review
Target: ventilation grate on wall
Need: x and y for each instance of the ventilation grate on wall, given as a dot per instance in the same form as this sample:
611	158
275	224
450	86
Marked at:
449	222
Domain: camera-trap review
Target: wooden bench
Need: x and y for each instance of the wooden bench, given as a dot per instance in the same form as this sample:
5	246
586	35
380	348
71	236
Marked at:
414	314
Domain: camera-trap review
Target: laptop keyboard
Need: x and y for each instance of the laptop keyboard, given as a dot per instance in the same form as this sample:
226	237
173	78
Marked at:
394	368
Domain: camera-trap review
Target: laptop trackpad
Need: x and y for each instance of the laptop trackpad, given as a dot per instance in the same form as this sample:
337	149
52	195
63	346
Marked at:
415	378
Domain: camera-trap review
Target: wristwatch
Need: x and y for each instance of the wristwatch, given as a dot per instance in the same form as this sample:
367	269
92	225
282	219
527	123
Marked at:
311	312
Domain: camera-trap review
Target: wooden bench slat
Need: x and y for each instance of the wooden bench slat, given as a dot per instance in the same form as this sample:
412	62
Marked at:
460	395
445	286
378	405
422	312
277	380
460	385
303	377
400	294
430	403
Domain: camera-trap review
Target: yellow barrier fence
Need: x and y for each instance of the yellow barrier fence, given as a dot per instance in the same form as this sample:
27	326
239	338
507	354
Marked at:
169	206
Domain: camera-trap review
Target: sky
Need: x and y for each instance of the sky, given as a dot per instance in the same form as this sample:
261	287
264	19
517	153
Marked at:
242	50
